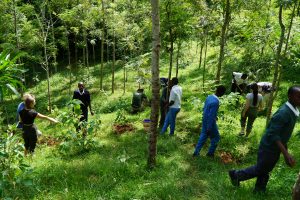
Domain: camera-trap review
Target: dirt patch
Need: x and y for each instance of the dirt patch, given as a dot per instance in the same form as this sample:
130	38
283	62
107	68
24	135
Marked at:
122	128
48	140
226	158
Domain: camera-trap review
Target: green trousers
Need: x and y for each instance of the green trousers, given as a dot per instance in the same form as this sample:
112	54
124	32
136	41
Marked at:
251	115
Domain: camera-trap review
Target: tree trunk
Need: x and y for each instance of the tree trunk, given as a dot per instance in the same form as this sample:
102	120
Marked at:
155	83
47	72
290	28
15	25
200	54
53	40
102	45
177	58
223	39
296	189
113	64
277	64
76	50
204	64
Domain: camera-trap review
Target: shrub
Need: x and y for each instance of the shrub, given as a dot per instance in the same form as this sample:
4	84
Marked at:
12	163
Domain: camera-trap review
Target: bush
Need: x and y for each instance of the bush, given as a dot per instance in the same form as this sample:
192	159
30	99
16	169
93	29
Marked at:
80	140
13	167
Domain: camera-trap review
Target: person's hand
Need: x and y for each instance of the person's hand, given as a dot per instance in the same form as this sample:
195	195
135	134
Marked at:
289	160
92	113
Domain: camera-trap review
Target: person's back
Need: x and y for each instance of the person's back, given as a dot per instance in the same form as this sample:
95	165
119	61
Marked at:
210	109
136	100
250	96
175	95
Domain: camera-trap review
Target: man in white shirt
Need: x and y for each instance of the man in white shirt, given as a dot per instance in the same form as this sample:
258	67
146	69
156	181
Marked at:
238	82
174	106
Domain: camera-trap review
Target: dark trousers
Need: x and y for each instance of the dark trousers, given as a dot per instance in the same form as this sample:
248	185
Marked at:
251	115
266	161
30	137
237	88
163	111
83	118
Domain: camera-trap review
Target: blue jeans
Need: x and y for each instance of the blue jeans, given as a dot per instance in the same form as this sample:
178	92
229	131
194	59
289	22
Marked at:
170	120
214	136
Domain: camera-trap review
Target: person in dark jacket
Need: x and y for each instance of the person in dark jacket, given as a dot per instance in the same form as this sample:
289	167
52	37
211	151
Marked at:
139	101
163	101
273	142
84	96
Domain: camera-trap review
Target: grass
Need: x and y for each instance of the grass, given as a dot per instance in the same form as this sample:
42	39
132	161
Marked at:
116	169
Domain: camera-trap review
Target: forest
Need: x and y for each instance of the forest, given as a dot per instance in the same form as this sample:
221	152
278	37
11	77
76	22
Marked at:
51	49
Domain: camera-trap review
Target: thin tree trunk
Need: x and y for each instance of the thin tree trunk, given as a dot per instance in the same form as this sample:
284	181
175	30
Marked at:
15	25
113	64
223	40
76	50
204	64
155	83
47	72
53	40
200	54
290	28
102	45
277	64
177	58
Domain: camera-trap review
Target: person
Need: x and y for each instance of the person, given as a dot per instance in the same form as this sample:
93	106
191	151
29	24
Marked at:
139	100
20	107
174	107
238	82
27	117
84	96
265	88
163	101
209	122
250	110
273	142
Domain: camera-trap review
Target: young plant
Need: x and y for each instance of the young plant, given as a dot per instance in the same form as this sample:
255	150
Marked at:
80	140
13	168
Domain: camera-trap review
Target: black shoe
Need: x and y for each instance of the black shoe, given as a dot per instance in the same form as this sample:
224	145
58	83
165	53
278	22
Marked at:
210	155
233	178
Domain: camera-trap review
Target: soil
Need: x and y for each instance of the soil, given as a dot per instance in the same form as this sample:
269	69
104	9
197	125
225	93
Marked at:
226	158
48	140
122	128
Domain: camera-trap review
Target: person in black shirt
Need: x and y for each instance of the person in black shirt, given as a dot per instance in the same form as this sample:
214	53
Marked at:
27	117
84	96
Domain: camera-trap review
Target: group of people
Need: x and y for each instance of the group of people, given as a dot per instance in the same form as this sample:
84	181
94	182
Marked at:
274	140
26	116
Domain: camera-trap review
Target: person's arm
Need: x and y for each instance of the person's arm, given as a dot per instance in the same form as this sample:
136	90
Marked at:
172	98
246	107
39	115
289	160
211	115
89	104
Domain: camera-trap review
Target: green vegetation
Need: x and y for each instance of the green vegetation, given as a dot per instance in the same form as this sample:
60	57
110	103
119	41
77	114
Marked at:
107	44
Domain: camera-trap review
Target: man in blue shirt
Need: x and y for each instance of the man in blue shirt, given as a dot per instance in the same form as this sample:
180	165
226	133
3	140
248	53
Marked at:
273	142
209	122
